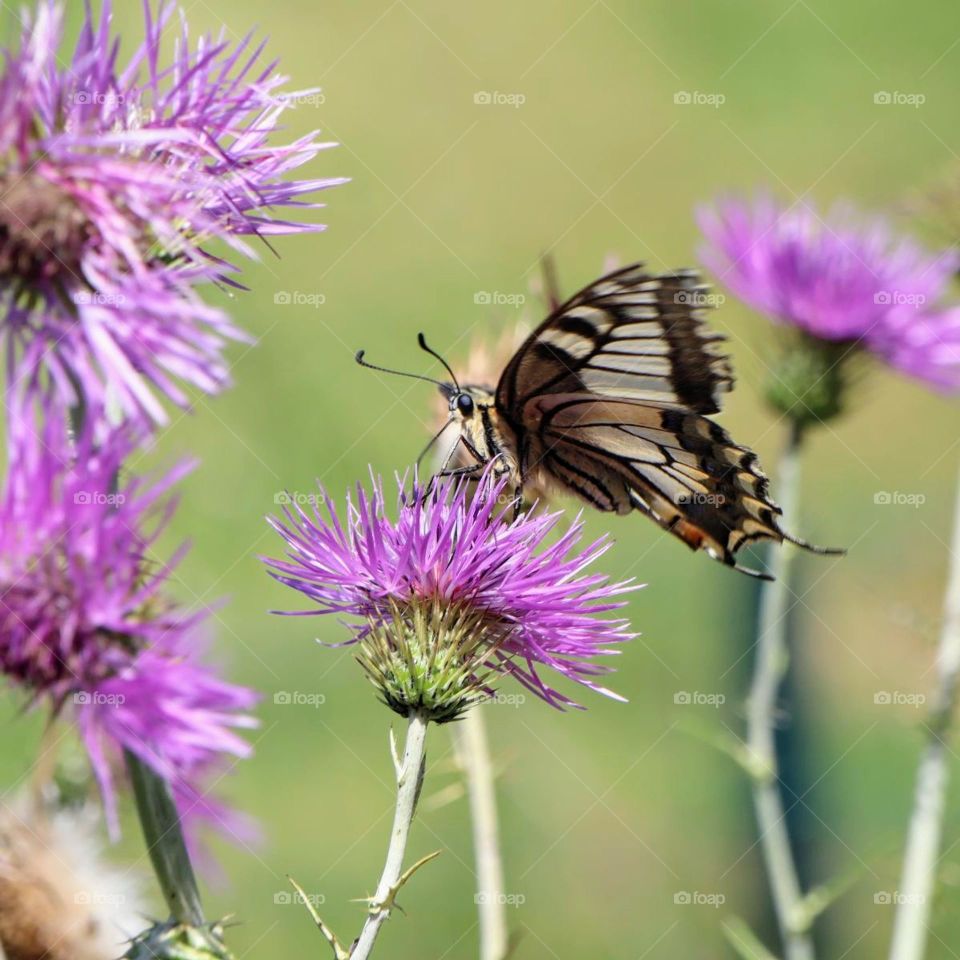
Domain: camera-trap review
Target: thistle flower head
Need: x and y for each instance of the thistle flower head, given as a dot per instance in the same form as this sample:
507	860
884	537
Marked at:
84	624
116	180
452	592
179	941
845	282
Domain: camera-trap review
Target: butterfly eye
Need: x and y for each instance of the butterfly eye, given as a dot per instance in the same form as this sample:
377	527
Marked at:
465	404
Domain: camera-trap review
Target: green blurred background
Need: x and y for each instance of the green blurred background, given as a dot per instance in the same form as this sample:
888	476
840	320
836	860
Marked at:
608	814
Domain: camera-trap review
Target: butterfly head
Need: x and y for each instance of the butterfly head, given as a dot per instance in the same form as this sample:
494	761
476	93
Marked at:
465	401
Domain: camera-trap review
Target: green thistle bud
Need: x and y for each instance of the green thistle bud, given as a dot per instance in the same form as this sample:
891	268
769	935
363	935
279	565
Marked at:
808	381
431	657
179	941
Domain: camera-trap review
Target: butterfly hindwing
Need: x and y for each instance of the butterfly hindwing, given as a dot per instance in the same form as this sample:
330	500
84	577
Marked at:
679	468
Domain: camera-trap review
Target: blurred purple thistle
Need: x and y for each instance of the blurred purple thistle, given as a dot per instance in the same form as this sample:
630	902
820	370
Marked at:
84	625
845	280
116	181
519	597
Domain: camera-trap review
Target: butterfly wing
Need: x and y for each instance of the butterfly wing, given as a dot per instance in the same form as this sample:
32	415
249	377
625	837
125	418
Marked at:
677	467
608	399
631	335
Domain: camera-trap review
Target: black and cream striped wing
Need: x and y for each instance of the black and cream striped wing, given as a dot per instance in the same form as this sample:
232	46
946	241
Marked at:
629	335
675	466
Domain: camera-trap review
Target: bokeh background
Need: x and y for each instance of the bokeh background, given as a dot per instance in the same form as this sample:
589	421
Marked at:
609	816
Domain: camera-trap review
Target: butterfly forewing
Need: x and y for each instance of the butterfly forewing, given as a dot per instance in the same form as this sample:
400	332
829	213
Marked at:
629	335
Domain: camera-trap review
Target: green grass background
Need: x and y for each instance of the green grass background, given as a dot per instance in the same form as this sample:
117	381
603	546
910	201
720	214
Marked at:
609	813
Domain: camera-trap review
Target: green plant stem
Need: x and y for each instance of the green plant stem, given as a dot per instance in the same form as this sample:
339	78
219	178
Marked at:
917	880
473	750
409	780
165	843
770	669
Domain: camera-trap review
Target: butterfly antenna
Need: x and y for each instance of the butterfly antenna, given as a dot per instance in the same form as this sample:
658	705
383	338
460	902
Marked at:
422	340
399	373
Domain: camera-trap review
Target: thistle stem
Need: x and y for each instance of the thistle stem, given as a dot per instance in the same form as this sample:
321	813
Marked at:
165	843
409	780
470	735
770	669
917	879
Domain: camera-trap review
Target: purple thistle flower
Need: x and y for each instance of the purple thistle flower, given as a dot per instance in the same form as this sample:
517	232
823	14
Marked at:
116	180
83	623
842	279
509	593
